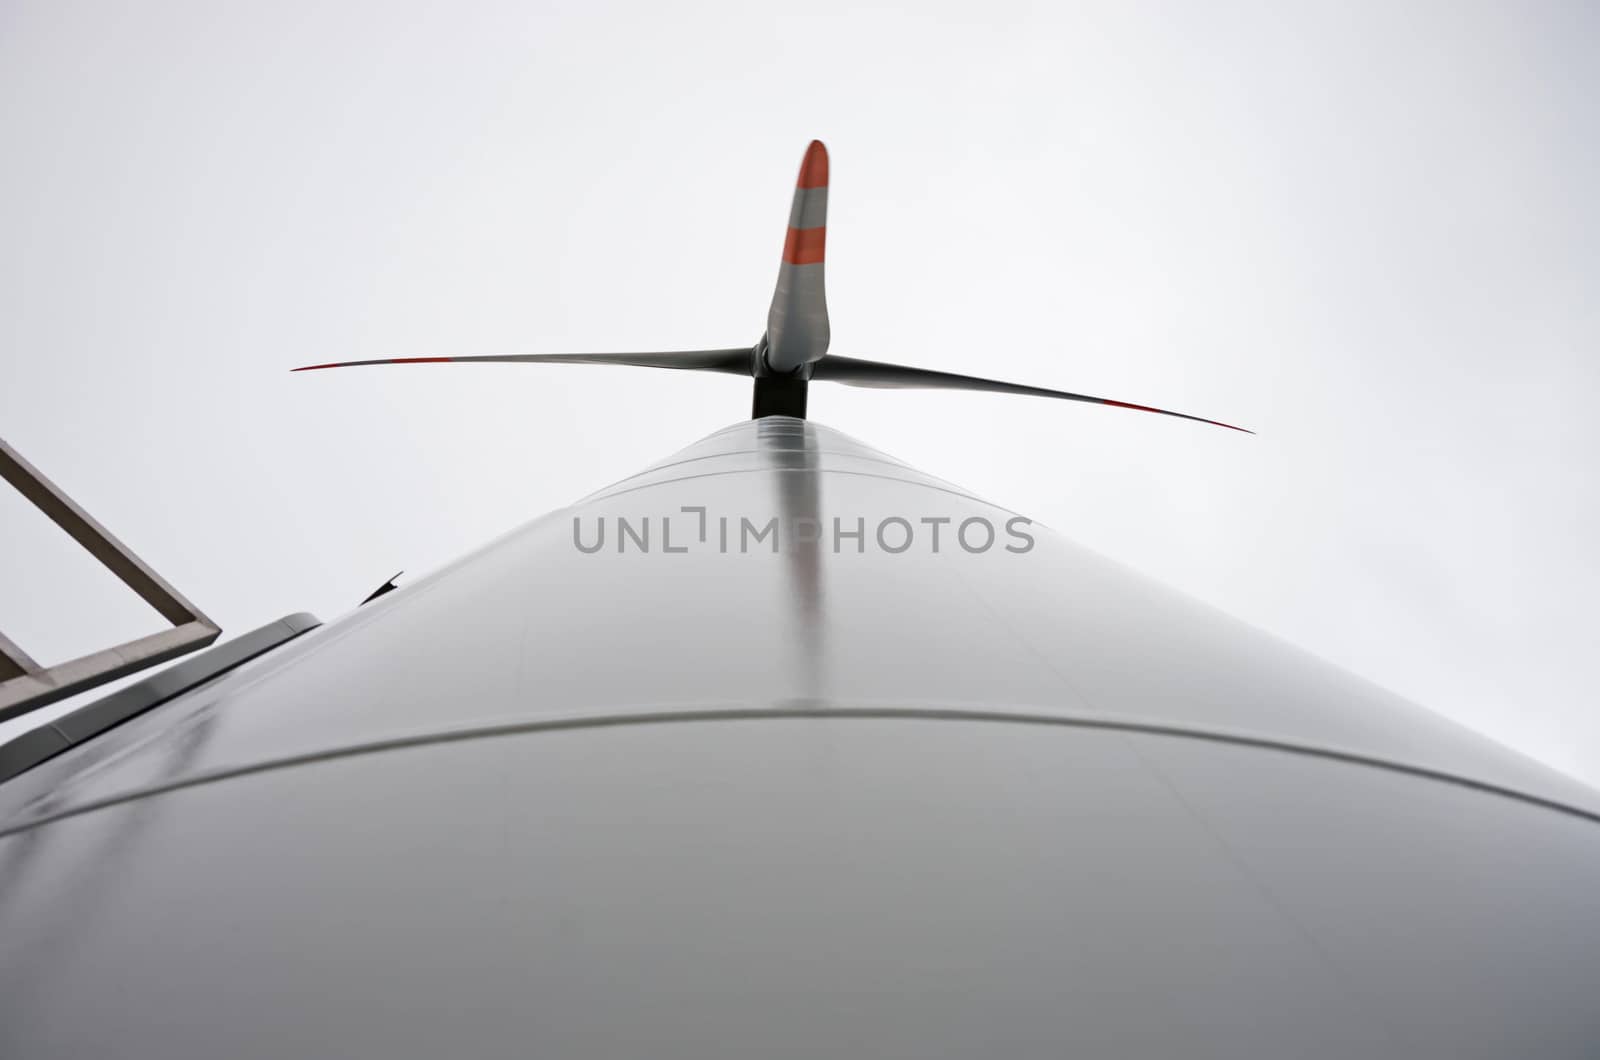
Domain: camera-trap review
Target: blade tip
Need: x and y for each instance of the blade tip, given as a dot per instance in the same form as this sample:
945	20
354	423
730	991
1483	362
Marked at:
814	167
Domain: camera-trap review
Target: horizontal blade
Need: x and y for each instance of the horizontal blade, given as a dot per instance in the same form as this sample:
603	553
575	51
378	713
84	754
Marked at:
739	361
856	372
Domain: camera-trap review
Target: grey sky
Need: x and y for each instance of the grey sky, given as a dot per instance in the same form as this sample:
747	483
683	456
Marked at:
1366	230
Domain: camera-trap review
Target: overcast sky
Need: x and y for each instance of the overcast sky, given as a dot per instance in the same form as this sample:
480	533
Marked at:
1368	230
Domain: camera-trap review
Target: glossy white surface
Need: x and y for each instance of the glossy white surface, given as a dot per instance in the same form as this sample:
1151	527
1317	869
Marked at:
1057	839
531	628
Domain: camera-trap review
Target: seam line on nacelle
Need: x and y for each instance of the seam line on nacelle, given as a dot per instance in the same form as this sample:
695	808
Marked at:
595	498
663	466
659	717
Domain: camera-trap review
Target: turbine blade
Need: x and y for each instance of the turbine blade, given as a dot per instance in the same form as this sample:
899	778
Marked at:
738	361
854	371
797	323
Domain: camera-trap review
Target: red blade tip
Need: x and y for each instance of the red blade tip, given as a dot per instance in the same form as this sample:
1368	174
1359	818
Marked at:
390	360
814	169
1165	412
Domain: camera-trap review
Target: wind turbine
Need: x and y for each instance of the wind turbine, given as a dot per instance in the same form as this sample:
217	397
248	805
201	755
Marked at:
703	788
793	352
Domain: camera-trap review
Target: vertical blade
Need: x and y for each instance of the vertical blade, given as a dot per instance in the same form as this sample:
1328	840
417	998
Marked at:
797	323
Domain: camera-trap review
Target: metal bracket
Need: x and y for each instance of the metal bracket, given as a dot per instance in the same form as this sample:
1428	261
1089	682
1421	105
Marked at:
24	684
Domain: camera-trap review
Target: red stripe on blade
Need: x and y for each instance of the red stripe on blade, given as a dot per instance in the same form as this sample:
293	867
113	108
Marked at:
803	246
814	170
1126	405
